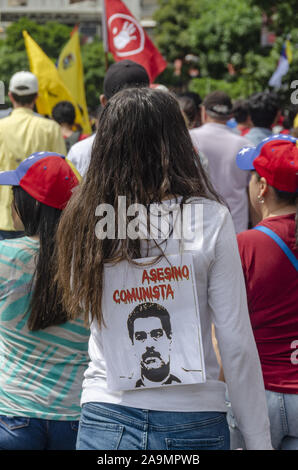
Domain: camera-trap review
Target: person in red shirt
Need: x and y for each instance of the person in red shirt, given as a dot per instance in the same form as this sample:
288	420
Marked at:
269	255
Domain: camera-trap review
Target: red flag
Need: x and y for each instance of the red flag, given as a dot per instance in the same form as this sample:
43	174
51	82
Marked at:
128	40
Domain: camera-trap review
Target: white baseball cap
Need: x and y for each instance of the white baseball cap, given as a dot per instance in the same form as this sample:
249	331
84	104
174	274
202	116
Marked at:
23	84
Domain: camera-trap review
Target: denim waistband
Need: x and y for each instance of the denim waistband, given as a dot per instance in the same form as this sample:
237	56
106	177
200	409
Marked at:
155	420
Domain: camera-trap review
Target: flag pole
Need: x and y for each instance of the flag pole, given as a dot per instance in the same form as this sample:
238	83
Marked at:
105	34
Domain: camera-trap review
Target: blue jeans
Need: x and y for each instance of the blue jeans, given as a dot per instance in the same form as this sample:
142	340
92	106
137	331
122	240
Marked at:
283	416
115	427
19	433
7	234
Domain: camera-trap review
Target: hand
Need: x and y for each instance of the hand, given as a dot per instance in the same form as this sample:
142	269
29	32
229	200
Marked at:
125	36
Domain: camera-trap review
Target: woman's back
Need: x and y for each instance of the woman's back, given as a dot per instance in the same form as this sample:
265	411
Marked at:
41	371
221	299
272	291
146	337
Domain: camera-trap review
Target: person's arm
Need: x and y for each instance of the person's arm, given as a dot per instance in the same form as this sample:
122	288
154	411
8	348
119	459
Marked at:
216	350
238	351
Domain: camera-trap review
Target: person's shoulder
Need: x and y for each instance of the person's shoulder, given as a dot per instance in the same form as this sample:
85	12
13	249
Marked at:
284	227
5	120
214	214
21	249
250	239
246	235
209	204
195	130
240	140
81	146
45	122
198	131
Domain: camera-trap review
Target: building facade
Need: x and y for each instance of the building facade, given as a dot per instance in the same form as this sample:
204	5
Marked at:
70	11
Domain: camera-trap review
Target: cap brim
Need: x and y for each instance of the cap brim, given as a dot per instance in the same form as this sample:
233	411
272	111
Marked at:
9	178
245	158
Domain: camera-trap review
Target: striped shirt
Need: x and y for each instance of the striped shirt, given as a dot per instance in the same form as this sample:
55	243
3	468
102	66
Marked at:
41	372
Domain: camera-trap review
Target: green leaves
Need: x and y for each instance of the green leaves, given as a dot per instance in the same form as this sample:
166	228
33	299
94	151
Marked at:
51	37
226	37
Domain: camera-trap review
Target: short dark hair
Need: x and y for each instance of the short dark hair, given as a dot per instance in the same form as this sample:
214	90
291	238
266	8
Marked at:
24	99
241	110
218	105
263	108
64	112
147	310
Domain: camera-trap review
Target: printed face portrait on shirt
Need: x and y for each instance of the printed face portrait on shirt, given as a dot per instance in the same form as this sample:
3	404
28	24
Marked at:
150	332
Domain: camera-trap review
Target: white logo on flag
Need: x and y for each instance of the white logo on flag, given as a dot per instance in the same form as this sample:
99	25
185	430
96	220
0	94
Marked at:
124	31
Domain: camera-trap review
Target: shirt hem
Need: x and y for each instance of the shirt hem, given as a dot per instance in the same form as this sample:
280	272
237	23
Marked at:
45	416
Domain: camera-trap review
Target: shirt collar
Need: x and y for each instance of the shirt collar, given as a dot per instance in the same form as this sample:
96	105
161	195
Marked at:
22	110
215	124
261	130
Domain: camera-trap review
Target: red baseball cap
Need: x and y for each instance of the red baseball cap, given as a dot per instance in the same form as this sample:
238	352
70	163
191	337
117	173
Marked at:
276	159
48	177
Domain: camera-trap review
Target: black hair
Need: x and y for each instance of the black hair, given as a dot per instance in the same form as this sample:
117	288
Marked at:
188	107
39	219
24	99
194	96
289	198
218	105
263	108
64	112
241	111
290	113
147	310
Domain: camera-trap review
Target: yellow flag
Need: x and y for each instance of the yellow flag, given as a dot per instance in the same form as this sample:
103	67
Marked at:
289	51
51	88
70	69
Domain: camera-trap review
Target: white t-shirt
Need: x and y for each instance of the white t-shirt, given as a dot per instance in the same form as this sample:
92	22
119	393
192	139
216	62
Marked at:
222	301
80	154
220	146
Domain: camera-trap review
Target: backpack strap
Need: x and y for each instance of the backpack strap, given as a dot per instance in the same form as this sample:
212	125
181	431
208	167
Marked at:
280	243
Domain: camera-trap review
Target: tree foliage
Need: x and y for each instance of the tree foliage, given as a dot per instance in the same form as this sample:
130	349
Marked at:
51	37
172	19
222	33
282	15
225	35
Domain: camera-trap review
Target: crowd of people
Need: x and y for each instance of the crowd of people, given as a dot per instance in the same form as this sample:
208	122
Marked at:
148	341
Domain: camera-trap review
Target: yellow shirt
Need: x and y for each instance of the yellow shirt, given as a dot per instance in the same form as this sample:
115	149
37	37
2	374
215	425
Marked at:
23	133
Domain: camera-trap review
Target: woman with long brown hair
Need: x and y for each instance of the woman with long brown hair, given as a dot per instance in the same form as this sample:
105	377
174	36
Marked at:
151	292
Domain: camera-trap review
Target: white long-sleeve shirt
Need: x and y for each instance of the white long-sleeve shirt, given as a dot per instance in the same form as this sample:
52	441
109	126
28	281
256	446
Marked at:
220	146
222	301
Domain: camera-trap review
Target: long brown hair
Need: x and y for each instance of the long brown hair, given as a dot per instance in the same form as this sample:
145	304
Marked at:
142	151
